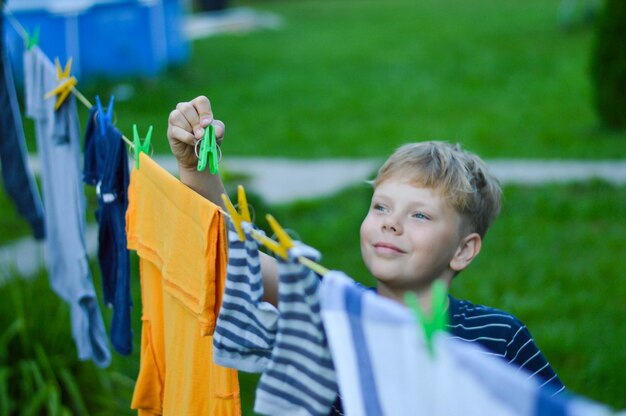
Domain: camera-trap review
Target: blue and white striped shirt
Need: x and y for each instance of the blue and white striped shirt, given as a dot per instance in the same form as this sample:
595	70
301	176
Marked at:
503	335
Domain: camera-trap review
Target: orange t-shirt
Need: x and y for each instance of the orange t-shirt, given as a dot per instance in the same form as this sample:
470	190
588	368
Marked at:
179	237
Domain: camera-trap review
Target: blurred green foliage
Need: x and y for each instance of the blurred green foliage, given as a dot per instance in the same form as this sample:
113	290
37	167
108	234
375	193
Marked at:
357	78
12	224
39	370
609	65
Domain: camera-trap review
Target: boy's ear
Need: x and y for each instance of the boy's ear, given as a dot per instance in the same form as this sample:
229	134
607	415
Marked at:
468	249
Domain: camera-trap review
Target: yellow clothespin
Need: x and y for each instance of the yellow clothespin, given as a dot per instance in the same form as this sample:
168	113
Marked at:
64	89
237	216
279	247
285	243
65	73
244	215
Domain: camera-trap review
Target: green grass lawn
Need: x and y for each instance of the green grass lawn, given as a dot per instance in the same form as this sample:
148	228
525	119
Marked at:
355	78
359	77
12	224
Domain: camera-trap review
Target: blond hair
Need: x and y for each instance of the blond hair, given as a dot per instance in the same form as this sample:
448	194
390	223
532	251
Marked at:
460	176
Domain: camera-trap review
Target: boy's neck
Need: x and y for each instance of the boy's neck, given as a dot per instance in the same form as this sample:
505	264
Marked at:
424	295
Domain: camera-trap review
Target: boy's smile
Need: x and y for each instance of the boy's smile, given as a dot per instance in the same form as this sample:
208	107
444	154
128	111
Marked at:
383	248
409	236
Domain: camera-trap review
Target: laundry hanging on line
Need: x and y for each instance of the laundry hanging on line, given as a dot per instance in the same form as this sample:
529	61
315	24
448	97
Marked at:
106	168
300	377
58	140
385	367
17	176
246	327
180	239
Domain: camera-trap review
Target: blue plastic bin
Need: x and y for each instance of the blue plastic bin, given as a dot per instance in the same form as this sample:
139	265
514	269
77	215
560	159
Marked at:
177	45
108	38
124	38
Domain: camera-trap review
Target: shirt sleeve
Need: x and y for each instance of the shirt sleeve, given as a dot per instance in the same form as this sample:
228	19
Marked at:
522	351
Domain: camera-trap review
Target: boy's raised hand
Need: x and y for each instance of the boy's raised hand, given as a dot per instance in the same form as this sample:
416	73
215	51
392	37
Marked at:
186	126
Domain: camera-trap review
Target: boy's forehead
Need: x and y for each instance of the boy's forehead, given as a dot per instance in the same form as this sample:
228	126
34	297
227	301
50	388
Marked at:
399	186
395	187
404	173
413	181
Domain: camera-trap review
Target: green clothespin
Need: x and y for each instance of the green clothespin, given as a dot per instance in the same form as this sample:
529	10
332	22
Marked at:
208	151
139	147
438	317
32	40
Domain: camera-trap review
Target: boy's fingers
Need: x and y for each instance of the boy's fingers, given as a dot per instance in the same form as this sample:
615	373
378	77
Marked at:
220	129
192	117
188	121
181	134
177	119
202	105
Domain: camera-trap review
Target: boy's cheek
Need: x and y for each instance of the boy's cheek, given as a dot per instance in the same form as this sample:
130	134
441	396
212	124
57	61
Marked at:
362	230
366	252
366	228
366	258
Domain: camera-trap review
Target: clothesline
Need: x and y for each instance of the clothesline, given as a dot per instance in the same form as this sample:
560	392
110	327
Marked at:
255	234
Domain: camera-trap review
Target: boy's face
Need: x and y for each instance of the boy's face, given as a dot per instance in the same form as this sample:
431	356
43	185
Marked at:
409	236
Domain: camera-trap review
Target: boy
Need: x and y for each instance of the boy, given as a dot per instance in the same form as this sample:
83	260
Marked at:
431	207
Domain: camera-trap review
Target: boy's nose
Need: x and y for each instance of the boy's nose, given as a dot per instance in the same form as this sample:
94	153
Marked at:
391	226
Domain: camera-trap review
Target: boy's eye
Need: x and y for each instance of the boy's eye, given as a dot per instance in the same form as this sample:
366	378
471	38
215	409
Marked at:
420	216
379	207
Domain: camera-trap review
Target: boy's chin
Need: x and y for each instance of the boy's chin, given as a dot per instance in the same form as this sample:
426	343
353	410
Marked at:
401	283
385	277
389	278
381	274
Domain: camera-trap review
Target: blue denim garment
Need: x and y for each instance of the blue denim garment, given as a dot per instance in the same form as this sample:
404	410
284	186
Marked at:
16	174
58	142
106	168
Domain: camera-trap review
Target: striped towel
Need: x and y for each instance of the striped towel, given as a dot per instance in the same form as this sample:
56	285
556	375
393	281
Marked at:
384	368
300	379
246	326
